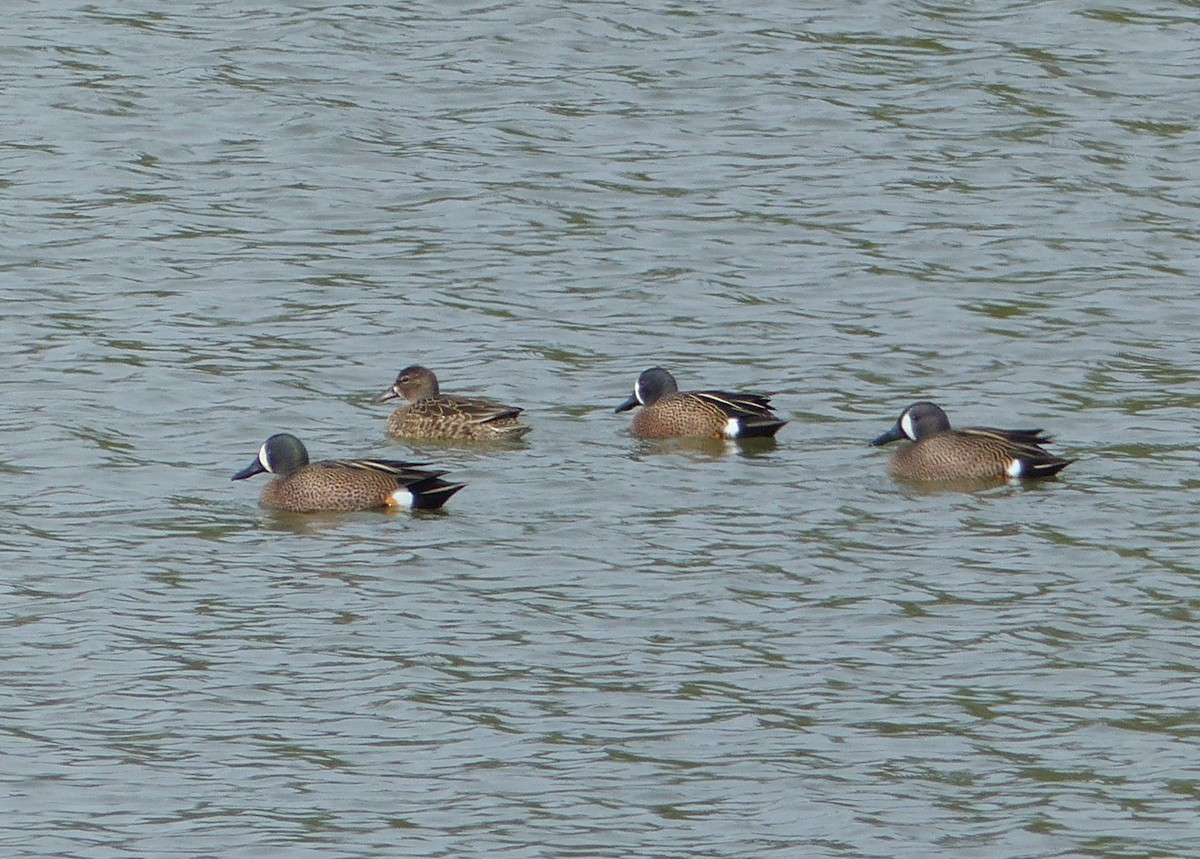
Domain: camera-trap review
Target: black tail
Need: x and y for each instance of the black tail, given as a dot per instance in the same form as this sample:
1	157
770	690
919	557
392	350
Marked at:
430	493
1047	467
754	427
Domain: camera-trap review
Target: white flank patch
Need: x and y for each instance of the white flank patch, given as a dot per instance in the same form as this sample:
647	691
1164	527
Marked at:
733	428
262	458
1016	468
906	426
402	498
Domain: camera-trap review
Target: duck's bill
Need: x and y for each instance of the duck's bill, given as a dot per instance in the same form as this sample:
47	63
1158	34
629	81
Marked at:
389	394
894	434
250	470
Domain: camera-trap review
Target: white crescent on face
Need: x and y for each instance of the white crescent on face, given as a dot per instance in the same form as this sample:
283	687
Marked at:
906	426
262	458
637	391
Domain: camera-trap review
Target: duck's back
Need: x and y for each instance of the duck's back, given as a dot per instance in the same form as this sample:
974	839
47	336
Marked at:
471	418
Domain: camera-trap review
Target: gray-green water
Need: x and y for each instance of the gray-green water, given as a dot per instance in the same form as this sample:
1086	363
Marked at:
221	220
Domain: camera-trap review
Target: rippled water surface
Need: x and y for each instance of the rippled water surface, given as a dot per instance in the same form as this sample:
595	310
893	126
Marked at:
222	220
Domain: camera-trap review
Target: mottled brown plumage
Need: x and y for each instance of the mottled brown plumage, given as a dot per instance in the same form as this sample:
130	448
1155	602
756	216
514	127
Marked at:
431	414
668	412
342	484
939	453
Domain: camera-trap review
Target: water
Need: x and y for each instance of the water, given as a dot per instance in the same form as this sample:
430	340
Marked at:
228	220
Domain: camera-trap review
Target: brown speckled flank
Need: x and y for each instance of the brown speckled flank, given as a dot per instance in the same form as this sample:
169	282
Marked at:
939	453
342	484
431	414
668	412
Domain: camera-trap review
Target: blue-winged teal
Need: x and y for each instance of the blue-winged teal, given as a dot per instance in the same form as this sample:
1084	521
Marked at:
668	412
301	486
431	414
938	452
